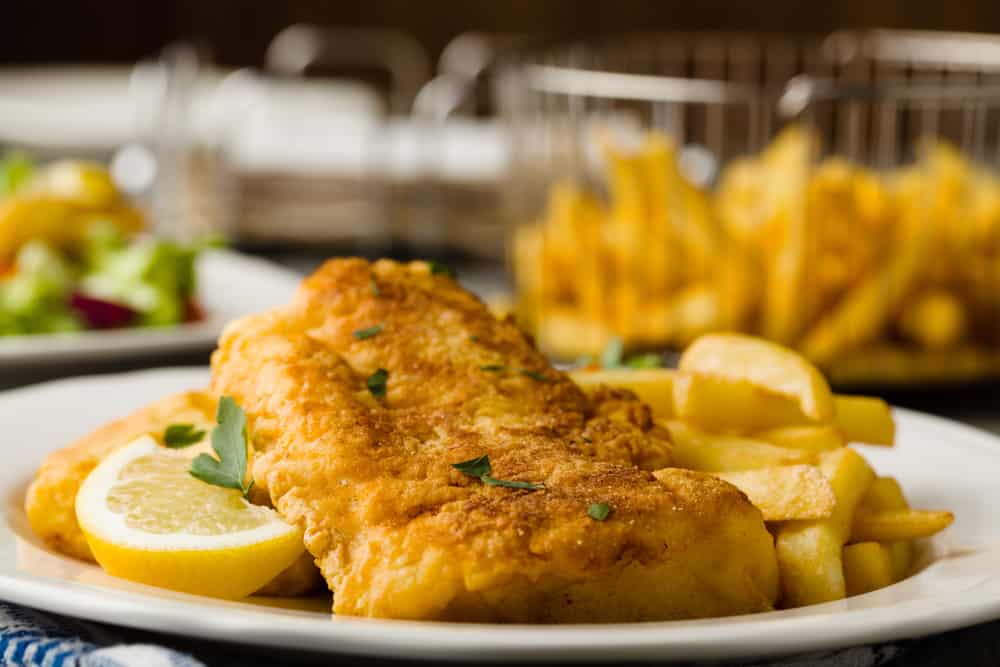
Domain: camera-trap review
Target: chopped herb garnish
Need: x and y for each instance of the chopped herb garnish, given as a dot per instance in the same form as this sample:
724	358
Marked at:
373	287
534	375
599	511
493	368
650	360
364	334
491	481
178	436
377	381
438	267
474	339
229	440
480	467
476	467
587	438
611	356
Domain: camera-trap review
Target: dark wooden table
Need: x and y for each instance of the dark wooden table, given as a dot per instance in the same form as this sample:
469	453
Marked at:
976	646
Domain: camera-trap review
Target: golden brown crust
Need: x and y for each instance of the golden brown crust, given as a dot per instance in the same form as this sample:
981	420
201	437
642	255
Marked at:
397	532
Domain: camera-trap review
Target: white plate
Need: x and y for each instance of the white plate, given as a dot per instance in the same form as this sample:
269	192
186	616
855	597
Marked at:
230	285
940	464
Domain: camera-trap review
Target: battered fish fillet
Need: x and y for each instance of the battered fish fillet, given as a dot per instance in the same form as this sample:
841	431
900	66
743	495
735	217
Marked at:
51	497
397	532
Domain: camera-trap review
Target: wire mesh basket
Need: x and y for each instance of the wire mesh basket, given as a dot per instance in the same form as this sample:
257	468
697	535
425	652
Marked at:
837	194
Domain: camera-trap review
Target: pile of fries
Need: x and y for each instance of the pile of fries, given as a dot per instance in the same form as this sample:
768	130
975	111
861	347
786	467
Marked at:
764	419
889	275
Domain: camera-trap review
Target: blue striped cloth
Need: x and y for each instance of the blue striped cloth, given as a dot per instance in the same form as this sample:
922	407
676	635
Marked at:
30	638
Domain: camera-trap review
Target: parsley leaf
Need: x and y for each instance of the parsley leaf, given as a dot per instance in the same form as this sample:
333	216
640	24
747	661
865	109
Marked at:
611	356
480	467
229	440
644	361
178	436
373	287
476	467
493	368
377	382
492	481
599	511
534	375
368	332
438	267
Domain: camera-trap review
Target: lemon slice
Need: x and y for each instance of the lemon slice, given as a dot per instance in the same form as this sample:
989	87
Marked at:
148	520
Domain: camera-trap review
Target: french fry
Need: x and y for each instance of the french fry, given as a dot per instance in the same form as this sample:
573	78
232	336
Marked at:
654	386
768	367
709	452
867	567
748	408
810	553
785	493
864	419
820	438
885	494
895	525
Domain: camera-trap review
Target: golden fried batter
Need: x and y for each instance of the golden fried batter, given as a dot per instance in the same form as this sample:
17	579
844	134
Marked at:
398	532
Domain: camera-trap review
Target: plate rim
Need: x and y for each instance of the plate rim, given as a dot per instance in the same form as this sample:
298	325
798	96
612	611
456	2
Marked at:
823	627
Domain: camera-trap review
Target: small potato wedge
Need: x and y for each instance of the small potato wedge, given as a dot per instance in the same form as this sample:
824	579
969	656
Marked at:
895	525
867	567
722	405
653	386
709	452
786	492
864	419
738	358
810	553
820	438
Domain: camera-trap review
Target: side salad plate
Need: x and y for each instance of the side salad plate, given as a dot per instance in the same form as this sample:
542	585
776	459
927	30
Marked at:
228	286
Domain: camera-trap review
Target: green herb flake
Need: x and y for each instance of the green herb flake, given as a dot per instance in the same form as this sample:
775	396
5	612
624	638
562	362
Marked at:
178	436
534	375
377	382
480	468
229	440
444	269
368	332
587	438
373	287
493	368
473	339
611	356
644	361
476	467
492	481
599	511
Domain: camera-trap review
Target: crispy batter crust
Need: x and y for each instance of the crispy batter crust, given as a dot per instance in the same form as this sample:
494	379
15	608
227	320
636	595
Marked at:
397	532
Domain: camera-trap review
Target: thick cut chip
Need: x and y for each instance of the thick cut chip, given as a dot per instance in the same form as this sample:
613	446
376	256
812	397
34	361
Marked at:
821	438
709	452
785	493
767	366
653	386
810	553
894	525
720	404
867	567
864	419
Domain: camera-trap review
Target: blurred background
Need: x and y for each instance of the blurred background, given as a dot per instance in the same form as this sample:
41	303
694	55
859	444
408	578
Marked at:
624	174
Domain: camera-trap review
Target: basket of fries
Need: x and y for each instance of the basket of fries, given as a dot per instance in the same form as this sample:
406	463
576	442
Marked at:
838	195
